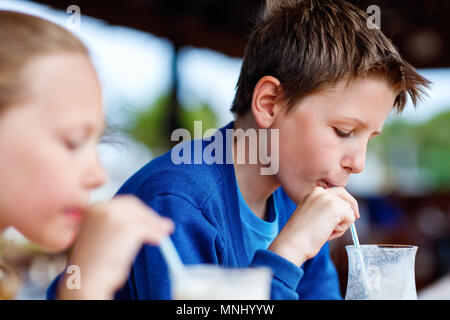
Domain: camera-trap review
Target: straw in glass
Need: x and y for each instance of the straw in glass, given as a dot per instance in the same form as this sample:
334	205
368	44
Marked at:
171	256
361	260
354	235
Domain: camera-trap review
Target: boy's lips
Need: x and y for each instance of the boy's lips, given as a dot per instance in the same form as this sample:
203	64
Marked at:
325	184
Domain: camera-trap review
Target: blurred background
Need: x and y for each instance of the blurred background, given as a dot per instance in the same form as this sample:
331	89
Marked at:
165	63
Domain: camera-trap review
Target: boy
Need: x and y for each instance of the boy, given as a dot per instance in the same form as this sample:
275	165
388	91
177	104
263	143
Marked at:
323	82
319	74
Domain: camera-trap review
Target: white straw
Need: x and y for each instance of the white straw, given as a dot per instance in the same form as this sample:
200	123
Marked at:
361	259
171	255
356	243
354	235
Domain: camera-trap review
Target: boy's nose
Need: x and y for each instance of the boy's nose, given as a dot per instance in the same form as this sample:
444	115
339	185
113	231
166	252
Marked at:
354	162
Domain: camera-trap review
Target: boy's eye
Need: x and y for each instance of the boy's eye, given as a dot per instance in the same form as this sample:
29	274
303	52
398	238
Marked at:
341	133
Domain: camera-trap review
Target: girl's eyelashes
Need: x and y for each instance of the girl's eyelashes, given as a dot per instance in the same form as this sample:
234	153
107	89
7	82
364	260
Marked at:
72	144
75	138
341	133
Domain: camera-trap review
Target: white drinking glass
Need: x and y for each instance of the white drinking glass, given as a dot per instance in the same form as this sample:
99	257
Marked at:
381	272
211	282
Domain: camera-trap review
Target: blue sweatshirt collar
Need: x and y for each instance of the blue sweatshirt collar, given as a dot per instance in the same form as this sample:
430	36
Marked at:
226	171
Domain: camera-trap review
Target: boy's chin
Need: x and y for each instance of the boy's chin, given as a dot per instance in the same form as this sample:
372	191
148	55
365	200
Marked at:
299	193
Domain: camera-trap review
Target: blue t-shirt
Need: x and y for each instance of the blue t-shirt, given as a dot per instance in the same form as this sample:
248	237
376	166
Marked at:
257	233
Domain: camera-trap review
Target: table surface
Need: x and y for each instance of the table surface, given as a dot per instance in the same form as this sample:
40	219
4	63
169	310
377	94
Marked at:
439	290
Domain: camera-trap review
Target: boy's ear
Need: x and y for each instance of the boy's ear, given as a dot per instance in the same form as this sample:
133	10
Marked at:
265	95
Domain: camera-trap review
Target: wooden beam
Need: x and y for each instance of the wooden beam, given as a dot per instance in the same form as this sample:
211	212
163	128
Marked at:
420	29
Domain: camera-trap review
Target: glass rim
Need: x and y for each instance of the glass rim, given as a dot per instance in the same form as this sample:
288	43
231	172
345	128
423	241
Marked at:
216	266
384	246
207	268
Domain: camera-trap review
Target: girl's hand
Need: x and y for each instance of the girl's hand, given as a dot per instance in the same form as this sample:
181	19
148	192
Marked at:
110	237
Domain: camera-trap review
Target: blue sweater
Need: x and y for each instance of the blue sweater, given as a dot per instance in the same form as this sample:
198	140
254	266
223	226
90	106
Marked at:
202	200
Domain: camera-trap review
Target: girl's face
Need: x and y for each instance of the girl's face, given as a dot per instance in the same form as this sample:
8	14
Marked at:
48	155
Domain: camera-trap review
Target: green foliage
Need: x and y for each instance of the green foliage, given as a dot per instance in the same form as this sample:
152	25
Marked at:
149	127
202	112
431	140
152	126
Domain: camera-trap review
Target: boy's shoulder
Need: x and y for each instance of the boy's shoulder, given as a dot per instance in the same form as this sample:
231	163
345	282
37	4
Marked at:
195	182
189	171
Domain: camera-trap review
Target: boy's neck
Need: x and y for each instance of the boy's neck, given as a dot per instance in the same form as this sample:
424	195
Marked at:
254	187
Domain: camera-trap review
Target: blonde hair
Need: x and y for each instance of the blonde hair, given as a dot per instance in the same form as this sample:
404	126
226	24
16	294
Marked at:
9	282
22	39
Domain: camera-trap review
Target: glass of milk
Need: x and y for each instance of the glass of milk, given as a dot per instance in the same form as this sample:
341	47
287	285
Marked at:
381	272
211	282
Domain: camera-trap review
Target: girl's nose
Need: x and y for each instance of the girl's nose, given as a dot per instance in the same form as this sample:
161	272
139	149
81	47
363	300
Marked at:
95	176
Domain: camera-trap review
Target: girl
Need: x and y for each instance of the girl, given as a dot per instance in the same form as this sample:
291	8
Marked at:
51	118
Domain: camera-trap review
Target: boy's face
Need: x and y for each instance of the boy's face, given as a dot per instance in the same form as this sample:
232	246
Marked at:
48	155
324	138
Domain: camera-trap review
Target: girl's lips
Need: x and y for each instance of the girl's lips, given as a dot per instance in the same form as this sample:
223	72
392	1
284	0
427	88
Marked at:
75	213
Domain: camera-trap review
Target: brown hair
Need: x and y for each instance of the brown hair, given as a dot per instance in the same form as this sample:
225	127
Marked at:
23	38
309	45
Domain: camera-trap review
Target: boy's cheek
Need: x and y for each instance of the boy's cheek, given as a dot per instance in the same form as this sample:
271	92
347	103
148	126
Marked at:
294	184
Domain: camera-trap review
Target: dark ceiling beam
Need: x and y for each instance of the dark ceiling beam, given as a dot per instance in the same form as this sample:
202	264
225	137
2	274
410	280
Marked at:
420	29
221	27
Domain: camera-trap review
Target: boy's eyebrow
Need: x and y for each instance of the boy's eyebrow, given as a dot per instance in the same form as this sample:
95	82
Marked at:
362	124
